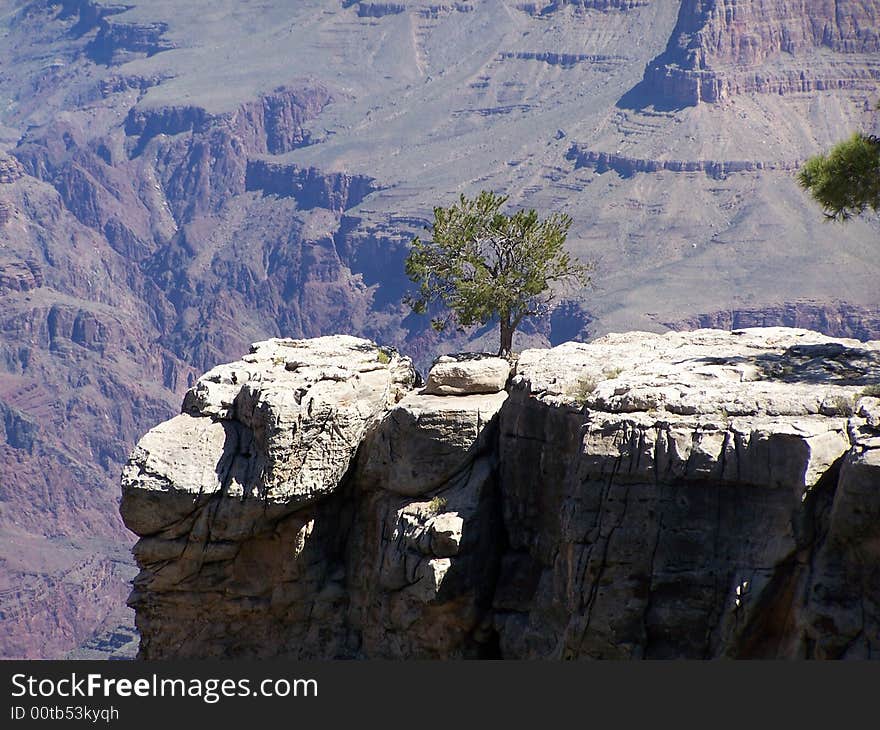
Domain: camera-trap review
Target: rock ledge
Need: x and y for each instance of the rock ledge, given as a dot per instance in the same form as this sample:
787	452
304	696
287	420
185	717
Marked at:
687	495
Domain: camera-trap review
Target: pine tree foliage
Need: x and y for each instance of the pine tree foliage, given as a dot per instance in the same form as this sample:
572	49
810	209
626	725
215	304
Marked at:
481	264
846	181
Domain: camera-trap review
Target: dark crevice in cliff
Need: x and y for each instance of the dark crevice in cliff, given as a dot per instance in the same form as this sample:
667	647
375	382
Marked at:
489	642
647	631
719	585
603	544
774	614
812	532
815	518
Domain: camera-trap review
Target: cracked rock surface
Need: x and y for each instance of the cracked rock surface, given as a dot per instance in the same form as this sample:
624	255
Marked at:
695	495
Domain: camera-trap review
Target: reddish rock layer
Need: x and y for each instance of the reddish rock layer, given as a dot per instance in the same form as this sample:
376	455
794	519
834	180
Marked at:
721	48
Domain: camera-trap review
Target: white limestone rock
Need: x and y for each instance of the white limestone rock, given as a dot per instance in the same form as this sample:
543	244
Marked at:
767	406
681	495
467	375
274	431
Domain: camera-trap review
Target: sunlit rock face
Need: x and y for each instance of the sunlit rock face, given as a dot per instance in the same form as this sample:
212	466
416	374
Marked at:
696	497
723	48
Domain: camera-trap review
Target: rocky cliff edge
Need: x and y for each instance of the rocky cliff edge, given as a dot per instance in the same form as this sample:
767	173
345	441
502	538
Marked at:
696	495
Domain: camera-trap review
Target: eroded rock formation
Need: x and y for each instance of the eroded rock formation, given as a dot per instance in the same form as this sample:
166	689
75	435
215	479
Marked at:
721	48
695	495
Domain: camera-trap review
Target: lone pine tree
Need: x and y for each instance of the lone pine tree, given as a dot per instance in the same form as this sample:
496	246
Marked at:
481	264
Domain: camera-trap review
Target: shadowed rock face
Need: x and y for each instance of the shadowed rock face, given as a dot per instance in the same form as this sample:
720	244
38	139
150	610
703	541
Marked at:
692	495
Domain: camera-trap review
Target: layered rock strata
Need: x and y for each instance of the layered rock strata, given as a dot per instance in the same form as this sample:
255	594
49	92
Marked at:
629	166
722	48
695	495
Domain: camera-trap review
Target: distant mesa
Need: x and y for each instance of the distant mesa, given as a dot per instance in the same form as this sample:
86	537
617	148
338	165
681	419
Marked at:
272	124
312	188
837	319
116	43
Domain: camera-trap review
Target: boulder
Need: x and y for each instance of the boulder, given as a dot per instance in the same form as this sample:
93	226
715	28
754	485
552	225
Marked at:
691	494
467	376
275	430
236	497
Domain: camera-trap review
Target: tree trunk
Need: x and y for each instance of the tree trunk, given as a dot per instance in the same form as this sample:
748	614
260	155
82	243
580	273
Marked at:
506	336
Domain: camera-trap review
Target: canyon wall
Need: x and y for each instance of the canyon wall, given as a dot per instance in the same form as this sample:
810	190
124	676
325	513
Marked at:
688	495
721	48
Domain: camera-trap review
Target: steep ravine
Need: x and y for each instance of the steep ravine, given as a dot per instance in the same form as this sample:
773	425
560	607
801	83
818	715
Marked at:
693	495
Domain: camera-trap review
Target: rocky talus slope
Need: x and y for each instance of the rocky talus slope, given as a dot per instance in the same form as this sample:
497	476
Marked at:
702	494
